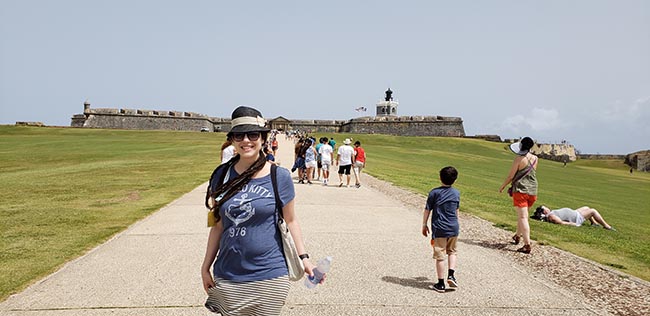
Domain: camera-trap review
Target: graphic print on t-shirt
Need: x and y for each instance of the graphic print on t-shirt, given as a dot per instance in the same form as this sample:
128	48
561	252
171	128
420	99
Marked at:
239	213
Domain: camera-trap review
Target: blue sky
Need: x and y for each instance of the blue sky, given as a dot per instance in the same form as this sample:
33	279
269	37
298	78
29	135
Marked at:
553	70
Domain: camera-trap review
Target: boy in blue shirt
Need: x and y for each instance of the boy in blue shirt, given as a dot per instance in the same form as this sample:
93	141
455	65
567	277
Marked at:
443	203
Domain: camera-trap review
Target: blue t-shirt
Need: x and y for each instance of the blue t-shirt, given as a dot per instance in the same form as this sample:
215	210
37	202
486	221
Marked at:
250	248
443	202
318	146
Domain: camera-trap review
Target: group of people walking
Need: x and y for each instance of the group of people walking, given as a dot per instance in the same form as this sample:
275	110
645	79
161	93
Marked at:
313	159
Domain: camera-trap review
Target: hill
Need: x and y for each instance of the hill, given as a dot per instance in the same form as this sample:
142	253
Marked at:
66	190
623	199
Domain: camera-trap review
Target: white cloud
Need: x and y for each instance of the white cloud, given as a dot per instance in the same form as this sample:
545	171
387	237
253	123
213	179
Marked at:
626	112
621	127
538	120
618	128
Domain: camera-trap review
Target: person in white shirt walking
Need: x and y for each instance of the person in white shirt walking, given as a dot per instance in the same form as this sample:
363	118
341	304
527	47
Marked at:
326	156
344	160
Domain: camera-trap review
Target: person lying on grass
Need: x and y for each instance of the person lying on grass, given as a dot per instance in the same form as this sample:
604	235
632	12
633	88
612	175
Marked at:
567	216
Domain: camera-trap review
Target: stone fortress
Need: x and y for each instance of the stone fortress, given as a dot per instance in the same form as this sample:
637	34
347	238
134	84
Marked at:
386	121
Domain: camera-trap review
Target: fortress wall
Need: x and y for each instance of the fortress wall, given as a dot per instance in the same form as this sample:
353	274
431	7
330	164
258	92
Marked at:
414	118
391	125
491	138
406	126
597	156
643	163
555	152
145	122
639	160
320	126
220	124
177	120
78	120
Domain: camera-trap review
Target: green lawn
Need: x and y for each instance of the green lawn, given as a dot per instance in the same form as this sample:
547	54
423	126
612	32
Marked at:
623	199
66	190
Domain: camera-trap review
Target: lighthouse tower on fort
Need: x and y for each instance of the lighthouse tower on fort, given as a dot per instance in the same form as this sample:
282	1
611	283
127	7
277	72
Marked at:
388	107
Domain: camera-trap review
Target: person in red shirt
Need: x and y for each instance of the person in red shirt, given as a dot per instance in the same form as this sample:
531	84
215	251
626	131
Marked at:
274	146
359	162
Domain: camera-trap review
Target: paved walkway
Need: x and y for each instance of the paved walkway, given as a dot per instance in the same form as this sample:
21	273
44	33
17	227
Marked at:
382	266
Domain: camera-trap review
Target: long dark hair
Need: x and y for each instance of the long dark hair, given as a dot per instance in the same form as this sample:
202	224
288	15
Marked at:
227	143
227	190
305	146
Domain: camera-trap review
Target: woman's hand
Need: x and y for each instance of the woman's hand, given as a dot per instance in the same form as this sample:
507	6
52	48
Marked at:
208	282
309	269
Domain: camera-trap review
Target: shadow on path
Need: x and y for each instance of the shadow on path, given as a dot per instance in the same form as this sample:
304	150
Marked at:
416	282
487	244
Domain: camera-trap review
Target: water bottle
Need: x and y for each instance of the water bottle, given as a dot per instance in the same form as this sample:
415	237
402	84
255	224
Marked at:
322	268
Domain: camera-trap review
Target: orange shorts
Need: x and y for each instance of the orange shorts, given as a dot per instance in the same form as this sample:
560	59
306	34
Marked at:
523	199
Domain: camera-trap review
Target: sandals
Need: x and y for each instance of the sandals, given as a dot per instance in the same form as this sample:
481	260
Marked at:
525	249
515	239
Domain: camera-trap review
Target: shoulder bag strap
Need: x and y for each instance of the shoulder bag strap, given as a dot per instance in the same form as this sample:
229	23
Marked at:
223	177
274	182
528	170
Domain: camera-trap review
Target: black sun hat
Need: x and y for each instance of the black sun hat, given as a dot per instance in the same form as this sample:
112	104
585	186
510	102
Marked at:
523	146
246	119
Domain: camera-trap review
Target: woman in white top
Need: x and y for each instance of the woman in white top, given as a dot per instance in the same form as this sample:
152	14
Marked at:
567	216
227	151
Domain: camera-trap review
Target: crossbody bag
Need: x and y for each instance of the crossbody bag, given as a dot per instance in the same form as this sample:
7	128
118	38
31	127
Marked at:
294	263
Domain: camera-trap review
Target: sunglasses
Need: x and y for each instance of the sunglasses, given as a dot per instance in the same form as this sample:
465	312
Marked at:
252	136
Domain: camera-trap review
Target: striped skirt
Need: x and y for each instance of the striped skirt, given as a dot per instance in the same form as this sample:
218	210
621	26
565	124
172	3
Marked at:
261	298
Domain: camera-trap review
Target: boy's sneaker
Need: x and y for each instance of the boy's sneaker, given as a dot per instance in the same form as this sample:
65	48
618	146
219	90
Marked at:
438	287
451	281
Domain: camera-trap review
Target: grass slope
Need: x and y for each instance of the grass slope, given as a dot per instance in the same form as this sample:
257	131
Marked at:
66	190
623	199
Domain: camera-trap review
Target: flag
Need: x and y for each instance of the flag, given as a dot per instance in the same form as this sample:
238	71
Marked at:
361	109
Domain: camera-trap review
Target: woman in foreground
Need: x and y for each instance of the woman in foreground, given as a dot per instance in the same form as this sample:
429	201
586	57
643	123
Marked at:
250	271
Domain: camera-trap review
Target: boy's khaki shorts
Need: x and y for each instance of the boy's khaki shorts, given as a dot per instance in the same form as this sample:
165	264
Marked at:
442	245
